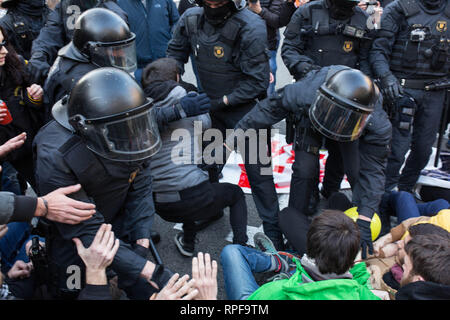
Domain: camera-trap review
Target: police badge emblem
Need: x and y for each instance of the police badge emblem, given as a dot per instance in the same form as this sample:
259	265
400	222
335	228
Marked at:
218	52
348	46
441	26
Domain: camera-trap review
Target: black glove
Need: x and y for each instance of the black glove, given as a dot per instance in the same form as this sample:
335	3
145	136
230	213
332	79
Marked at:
391	88
217	104
194	104
365	236
303	68
161	276
38	71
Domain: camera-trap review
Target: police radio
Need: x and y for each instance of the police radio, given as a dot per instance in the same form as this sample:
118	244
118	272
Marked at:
418	33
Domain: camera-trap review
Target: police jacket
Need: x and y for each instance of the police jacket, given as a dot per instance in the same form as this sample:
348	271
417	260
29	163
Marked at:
231	60
121	192
23	28
68	68
314	37
373	144
58	30
413	41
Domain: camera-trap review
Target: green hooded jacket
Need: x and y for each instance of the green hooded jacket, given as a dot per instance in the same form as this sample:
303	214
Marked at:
295	288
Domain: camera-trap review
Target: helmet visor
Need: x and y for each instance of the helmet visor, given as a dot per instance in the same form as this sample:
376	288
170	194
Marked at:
335	121
121	56
128	139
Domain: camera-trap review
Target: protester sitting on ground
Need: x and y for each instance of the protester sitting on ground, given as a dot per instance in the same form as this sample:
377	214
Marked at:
325	272
387	244
386	267
182	191
203	285
402	205
426	266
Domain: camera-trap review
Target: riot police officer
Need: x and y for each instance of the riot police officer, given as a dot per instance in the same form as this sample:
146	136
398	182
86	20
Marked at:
102	138
342	104
409	55
23	22
229	47
58	32
323	33
102	39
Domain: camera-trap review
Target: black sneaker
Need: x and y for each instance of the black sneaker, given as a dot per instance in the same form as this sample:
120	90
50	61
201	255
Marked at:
186	249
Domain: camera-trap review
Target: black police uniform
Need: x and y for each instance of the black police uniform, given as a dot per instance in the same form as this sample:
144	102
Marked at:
58	32
231	60
364	159
413	44
313	36
121	192
23	22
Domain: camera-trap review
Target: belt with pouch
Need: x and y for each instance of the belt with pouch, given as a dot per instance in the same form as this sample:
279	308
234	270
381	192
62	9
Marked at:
419	84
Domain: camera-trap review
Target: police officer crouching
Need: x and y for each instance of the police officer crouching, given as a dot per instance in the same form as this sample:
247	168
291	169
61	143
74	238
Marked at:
410	56
103	137
342	104
323	33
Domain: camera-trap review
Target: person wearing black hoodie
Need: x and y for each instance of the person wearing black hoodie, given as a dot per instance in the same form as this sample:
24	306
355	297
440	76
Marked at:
426	266
23	22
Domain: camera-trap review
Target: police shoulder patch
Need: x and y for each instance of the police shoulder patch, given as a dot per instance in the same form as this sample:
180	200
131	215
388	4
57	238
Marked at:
218	52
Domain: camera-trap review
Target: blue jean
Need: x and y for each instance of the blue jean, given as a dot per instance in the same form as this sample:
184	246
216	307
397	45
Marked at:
404	205
273	69
12	245
238	264
9	180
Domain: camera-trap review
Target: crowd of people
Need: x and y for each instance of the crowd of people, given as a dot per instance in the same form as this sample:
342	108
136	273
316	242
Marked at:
97	121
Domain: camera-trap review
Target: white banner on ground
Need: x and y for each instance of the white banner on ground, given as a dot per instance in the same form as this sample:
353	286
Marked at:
282	159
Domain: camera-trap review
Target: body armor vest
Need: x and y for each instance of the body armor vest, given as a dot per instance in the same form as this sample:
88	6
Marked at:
106	182
216	56
333	42
421	49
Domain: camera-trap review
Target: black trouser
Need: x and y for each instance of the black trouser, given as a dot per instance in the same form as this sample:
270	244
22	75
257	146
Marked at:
262	185
305	169
425	127
205	201
334	168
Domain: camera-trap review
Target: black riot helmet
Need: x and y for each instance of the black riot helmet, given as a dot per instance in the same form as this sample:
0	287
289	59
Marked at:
105	39
108	109
343	105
